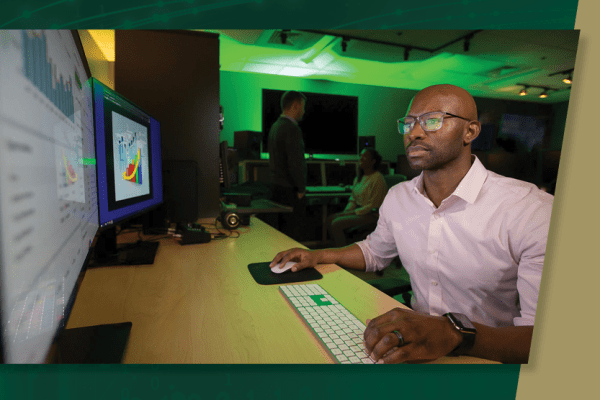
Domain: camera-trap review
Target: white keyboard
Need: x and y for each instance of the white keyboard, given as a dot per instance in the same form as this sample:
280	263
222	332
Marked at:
339	330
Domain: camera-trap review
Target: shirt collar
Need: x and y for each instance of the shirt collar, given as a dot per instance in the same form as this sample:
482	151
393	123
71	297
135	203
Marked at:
290	118
469	187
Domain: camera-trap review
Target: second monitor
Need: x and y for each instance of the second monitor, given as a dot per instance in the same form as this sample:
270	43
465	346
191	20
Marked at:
128	153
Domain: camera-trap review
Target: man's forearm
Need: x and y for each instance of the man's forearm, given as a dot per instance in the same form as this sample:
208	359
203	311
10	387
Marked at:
510	344
347	257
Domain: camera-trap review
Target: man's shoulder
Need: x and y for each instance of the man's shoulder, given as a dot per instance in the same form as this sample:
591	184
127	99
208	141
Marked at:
283	125
515	190
399	191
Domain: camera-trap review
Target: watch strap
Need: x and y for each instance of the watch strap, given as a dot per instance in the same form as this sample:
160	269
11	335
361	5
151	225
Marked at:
466	329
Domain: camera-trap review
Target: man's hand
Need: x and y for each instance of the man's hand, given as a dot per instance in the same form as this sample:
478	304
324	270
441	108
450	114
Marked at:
300	195
425	337
304	259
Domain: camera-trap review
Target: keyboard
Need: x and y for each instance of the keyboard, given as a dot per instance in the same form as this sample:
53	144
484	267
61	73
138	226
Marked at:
338	330
325	189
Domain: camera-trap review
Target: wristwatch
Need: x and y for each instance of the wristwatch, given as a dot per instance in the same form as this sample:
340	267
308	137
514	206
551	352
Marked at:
467	331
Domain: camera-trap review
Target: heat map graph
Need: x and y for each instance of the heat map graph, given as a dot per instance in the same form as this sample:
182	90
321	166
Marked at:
70	174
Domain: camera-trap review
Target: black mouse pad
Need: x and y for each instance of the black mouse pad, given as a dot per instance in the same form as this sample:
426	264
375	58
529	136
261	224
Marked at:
263	275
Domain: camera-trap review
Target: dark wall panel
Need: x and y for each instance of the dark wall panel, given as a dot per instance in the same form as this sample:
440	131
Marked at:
174	75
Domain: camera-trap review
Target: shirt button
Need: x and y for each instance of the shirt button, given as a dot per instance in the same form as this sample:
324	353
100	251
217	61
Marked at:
434	283
436	216
432	251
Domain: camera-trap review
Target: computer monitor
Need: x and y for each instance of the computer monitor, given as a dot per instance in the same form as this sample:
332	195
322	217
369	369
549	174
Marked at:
340	174
48	199
128	153
314	174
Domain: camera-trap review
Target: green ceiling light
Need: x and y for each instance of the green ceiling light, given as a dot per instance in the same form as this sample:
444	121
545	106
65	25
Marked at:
523	91
295	71
544	94
263	68
568	80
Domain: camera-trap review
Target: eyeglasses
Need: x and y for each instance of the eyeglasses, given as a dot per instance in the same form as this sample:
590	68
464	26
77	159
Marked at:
431	121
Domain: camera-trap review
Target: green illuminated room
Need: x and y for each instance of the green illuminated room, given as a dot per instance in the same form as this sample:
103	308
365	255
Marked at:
522	73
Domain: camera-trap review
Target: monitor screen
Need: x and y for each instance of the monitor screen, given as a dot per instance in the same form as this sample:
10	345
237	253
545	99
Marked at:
128	150
314	176
329	125
524	131
48	199
338	174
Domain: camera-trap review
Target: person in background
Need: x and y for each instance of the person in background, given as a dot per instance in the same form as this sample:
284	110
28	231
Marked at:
286	162
368	191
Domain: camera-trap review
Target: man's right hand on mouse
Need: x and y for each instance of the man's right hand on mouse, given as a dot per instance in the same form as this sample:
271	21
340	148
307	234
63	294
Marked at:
304	259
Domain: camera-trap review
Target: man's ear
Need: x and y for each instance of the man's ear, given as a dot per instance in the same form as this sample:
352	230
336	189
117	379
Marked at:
472	132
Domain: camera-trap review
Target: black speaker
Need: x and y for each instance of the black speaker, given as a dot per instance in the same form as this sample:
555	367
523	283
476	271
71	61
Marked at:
365	141
230	219
248	144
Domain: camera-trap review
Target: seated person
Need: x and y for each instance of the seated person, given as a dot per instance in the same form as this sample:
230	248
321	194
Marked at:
472	241
368	191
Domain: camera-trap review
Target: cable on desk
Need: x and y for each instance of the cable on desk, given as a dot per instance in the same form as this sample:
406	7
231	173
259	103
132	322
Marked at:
222	235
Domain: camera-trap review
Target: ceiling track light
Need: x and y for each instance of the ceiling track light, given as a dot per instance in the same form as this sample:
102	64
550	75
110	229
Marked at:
467	43
344	44
544	94
569	78
284	35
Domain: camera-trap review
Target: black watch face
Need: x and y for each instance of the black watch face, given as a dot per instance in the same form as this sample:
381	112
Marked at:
464	321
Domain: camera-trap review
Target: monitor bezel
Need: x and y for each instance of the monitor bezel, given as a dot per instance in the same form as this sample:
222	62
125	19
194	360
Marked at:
138	213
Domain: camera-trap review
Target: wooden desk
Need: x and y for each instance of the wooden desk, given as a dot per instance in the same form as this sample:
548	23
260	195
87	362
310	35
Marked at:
199	304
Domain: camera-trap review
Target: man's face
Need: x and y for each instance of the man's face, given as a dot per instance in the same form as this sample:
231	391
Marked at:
437	149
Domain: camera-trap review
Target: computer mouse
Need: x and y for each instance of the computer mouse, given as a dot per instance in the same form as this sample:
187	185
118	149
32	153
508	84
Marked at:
285	268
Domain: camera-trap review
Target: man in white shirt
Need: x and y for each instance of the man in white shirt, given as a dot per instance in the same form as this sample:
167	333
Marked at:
472	241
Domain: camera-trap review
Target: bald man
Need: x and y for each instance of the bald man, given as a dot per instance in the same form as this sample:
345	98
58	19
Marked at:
472	241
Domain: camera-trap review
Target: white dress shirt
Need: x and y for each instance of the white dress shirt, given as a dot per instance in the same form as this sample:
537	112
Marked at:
480	253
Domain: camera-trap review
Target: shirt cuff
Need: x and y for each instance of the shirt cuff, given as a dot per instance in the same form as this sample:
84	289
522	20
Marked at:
523	321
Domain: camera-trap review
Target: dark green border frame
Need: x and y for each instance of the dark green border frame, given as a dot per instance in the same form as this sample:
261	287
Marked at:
191	382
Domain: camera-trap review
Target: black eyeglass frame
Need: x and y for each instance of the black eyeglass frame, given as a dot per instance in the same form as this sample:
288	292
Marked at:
422	122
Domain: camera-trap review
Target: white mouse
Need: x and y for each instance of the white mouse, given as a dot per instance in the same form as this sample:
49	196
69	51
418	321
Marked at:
286	267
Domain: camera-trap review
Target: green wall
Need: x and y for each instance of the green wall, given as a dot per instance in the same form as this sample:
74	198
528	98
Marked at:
379	107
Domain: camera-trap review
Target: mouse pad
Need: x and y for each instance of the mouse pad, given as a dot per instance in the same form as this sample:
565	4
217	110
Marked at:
263	276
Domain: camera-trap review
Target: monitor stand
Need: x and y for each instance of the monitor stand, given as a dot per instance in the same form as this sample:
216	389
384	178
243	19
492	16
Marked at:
108	253
100	344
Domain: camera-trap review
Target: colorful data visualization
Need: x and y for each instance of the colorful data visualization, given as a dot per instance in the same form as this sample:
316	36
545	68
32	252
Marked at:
130	150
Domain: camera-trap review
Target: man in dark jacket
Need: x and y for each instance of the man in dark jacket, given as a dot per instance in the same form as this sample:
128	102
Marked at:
286	161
